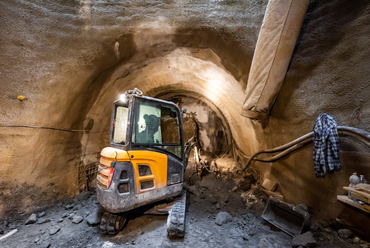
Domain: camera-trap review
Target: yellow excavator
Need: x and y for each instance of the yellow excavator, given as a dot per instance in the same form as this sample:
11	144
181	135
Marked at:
145	162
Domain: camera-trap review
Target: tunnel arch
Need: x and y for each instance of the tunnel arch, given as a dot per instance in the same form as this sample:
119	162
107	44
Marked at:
177	71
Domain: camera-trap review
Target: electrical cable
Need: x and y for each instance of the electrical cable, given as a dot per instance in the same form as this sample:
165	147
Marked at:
50	128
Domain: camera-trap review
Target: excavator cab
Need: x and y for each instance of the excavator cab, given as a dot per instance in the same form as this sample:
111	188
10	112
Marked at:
145	162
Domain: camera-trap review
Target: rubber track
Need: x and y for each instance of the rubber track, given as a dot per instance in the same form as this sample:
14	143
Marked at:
176	218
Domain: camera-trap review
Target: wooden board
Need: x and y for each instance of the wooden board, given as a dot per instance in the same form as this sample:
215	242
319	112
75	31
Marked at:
274	194
365	197
269	185
363	187
345	199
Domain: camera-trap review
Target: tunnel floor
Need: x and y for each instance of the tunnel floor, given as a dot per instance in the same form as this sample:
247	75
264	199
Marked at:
206	198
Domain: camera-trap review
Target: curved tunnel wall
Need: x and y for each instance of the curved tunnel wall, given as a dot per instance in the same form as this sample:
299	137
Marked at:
72	60
60	55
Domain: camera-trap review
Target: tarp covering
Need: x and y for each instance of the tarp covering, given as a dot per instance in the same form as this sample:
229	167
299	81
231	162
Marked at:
277	38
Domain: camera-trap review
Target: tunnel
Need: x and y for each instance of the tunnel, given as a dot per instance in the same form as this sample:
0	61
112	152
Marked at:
64	64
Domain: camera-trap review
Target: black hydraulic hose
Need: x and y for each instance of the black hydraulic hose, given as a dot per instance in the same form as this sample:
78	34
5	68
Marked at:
306	139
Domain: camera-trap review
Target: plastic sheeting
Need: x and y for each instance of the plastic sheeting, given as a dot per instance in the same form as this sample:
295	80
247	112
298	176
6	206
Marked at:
277	38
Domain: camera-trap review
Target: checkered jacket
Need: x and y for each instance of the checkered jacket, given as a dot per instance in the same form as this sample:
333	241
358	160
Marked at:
325	145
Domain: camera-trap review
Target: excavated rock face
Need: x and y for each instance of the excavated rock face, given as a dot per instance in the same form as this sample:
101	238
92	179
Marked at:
72	59
329	73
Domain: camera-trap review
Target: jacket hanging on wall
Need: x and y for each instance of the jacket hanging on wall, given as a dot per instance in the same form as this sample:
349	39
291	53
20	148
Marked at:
325	145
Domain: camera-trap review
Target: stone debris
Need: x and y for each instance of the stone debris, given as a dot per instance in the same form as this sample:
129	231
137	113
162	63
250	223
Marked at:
356	240
222	218
43	220
345	233
107	244
212	199
37	239
83	196
93	219
246	237
305	240
264	243
42	214
218	206
77	219
60	220
31	220
54	230
65	215
47	245
69	206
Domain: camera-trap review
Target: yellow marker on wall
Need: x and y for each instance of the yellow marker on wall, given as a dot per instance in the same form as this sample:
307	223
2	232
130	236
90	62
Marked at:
21	98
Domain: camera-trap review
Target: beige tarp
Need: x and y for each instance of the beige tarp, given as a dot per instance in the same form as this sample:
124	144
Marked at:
277	38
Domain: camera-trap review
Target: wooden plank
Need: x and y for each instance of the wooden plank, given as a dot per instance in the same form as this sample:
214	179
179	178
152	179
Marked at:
363	187
365	197
345	199
8	234
274	194
269	185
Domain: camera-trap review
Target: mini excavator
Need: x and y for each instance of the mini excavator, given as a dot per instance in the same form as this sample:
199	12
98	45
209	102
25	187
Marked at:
145	162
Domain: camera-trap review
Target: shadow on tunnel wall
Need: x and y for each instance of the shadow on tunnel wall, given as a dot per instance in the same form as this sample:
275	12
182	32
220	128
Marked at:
236	56
324	27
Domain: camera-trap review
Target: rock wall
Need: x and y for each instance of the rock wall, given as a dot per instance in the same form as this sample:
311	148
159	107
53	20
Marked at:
63	57
329	73
72	59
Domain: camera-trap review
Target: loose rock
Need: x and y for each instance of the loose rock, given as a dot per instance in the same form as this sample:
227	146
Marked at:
77	219
246	237
218	206
305	240
93	219
82	197
43	220
222	218
69	206
54	230
42	214
60	220
264	243
356	240
345	233
71	215
31	220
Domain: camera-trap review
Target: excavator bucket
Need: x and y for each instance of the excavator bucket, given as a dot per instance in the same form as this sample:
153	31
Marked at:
290	219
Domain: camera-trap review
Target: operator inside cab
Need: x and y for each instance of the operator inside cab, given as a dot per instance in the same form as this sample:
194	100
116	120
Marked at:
152	124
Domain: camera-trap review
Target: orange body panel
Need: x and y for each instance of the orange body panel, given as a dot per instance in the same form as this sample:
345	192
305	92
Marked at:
111	154
108	155
157	163
155	160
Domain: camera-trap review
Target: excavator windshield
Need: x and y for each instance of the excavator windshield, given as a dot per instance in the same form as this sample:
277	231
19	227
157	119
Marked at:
156	125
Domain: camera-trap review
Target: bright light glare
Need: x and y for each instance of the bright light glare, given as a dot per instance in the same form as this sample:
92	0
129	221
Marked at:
123	98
